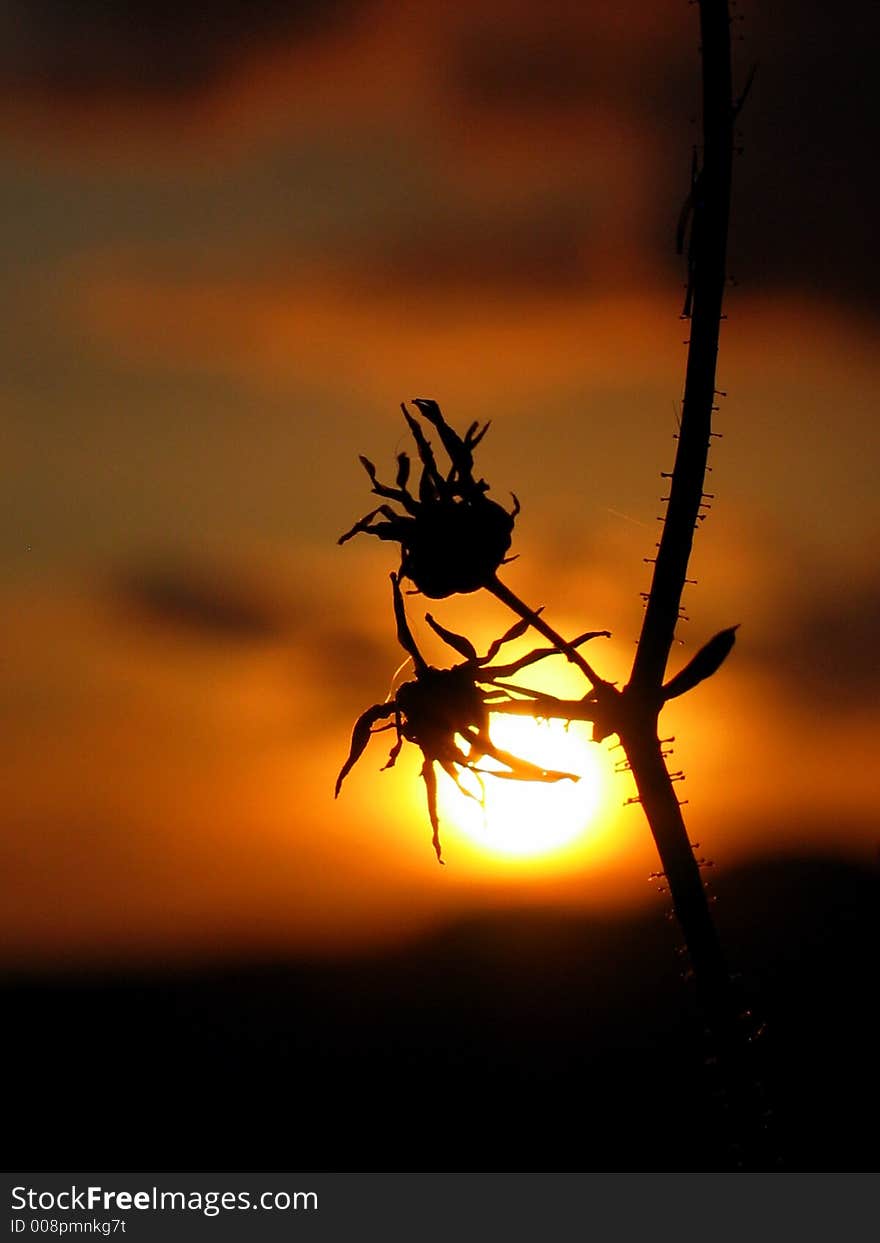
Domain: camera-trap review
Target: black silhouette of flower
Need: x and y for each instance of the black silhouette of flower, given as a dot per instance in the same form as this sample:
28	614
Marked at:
440	706
452	537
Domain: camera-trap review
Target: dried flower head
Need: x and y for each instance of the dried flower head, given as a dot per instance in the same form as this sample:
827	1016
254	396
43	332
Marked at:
439	707
452	538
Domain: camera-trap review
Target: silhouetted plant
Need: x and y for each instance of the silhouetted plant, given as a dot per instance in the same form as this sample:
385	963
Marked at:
441	705
454	539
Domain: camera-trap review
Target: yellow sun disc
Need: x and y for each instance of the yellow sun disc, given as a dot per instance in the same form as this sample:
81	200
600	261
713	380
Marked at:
529	818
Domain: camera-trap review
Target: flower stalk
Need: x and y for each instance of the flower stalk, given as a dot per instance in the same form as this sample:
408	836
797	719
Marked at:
535	619
643	695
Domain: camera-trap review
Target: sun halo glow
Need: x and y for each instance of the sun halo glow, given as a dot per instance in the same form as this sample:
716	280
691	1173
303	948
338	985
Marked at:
529	819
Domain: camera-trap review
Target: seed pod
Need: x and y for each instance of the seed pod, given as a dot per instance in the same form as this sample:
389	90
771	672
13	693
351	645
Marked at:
456	547
452	537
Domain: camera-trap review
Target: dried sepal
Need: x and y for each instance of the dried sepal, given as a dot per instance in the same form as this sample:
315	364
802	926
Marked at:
360	736
458	642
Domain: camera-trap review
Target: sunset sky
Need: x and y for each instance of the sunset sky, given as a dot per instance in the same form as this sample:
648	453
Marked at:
236	236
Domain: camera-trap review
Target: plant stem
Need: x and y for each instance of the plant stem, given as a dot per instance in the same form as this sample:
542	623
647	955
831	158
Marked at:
513	602
711	211
643	696
663	811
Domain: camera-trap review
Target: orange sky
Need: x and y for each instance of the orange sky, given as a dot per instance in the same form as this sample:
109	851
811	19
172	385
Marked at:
228	261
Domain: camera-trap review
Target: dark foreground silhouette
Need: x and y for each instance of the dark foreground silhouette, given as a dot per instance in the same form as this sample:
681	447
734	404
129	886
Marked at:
516	1041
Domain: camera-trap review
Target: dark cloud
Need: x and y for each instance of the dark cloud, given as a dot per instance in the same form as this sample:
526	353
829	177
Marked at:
806	186
513	1011
354	668
827	651
203	603
98	48
570	59
541	248
521	68
233	606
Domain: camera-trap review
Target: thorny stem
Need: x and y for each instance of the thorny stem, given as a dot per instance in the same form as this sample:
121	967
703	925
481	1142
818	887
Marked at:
643	695
740	1113
711	212
642	698
663	812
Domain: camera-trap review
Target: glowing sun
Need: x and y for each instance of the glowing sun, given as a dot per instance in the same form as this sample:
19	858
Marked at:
528	818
